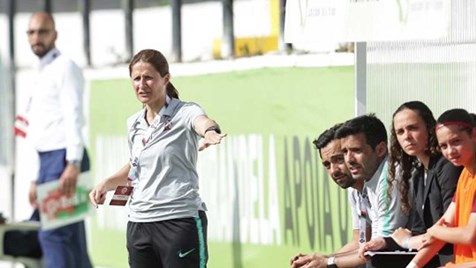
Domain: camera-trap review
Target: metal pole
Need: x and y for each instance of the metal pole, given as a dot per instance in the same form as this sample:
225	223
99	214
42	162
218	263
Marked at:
177	30
228	46
360	78
47	6
85	11
12	73
128	6
287	47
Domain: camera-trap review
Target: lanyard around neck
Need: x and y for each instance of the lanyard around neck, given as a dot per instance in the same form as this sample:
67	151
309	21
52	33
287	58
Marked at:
137	150
363	201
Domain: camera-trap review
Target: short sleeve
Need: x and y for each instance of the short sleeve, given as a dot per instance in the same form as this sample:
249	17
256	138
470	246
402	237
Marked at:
190	111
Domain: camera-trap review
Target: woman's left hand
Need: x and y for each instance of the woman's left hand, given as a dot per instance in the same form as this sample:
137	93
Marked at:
211	138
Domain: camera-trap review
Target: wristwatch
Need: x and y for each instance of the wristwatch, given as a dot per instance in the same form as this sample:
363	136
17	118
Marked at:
76	163
331	262
213	128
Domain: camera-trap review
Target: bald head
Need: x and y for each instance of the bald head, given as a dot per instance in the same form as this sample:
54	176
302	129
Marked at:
44	17
41	33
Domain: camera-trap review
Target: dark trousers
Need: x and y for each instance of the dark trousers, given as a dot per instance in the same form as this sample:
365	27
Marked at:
63	247
177	243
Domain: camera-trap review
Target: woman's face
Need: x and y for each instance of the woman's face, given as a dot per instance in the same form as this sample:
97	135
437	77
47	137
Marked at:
456	145
148	84
411	132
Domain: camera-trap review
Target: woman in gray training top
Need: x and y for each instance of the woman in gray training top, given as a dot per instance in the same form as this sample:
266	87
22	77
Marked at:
167	223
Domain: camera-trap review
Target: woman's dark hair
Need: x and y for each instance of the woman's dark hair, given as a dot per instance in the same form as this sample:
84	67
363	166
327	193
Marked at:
456	117
160	64
399	159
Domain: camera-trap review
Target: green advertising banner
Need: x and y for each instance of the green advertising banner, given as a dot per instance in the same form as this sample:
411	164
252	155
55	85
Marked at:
267	194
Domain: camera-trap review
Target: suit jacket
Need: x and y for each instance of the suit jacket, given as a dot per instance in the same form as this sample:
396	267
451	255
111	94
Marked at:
433	198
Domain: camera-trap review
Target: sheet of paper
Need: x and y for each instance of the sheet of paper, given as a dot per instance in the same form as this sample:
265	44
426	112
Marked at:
373	253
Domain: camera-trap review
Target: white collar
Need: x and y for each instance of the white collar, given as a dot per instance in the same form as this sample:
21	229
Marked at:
48	58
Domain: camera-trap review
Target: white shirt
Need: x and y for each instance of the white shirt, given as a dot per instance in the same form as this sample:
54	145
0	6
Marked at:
383	213
55	107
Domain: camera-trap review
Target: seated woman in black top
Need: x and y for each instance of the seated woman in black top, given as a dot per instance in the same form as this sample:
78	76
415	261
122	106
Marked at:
426	180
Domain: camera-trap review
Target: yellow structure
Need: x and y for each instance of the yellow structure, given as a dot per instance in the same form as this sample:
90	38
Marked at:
255	45
248	46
